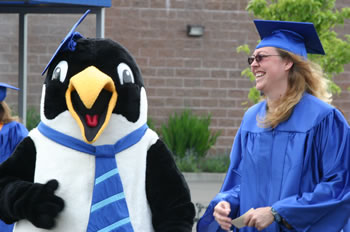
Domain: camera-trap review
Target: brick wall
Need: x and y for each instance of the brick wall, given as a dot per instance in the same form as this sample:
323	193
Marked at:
45	32
202	74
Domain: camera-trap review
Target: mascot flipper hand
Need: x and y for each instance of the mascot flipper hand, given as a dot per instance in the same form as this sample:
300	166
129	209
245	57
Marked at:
92	163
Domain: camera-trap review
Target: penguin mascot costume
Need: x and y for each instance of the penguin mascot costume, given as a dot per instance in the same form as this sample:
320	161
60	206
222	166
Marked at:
92	164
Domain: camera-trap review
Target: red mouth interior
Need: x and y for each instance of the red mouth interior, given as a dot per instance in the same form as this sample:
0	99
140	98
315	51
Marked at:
91	120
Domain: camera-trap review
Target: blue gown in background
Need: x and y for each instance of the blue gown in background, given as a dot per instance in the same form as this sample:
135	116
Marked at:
10	135
300	168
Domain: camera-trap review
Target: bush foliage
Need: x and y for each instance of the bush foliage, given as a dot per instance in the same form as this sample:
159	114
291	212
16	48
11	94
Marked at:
190	163
188	134
33	118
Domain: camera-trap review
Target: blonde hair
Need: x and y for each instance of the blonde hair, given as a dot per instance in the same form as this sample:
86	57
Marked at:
304	76
5	114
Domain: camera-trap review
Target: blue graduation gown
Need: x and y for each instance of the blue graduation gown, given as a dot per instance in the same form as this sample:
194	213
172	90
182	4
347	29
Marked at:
300	168
11	134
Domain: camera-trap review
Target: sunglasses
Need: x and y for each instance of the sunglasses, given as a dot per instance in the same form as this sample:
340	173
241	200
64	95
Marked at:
258	58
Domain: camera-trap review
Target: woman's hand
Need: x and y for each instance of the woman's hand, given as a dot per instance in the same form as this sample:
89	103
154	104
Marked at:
221	212
259	218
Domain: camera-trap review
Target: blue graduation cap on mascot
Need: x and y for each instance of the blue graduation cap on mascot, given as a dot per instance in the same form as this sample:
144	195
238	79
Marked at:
297	37
68	43
3	90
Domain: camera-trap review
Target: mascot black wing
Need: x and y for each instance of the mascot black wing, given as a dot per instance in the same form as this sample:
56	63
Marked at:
92	164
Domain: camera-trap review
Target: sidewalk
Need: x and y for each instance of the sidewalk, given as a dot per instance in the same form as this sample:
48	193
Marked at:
203	187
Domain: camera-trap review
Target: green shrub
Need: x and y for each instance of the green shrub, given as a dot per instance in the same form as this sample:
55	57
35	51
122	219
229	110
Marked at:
33	118
191	163
188	163
218	163
188	134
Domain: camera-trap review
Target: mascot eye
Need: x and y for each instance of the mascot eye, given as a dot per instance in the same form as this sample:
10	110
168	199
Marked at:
60	72
125	74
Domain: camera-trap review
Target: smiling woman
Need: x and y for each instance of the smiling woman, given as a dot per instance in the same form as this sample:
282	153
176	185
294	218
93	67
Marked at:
290	157
271	73
283	80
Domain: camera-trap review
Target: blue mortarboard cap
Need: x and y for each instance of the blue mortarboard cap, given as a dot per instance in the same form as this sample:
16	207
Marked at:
69	42
297	37
3	90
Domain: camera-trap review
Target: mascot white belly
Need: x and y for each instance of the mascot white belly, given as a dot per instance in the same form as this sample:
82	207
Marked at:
77	189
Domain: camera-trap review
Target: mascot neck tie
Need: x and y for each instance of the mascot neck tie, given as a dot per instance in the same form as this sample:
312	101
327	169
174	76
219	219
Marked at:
109	211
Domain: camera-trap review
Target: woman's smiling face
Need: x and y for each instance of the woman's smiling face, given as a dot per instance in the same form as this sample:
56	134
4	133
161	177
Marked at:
271	71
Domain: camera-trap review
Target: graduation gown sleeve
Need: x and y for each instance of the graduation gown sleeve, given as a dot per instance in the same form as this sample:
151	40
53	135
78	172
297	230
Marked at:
11	135
327	206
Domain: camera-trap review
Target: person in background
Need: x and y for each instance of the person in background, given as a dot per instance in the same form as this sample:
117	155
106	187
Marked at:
11	133
290	159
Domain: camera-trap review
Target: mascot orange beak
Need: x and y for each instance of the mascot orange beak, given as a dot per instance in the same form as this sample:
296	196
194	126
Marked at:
91	97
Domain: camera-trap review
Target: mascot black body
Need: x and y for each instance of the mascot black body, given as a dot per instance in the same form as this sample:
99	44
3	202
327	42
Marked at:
94	96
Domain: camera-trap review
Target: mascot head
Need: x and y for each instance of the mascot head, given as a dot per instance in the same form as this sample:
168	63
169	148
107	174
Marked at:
93	89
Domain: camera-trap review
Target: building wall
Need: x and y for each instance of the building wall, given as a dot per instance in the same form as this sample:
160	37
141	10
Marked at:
180	72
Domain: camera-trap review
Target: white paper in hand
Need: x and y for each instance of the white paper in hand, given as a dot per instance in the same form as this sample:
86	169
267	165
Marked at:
238	222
